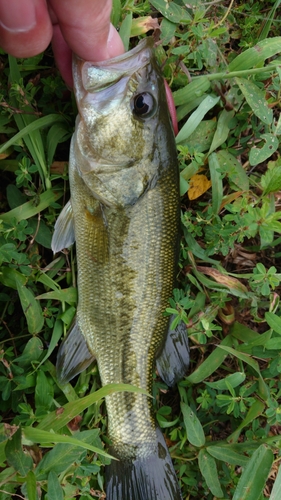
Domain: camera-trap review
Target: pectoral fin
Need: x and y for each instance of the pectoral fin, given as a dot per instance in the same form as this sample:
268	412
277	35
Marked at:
74	355
64	235
173	362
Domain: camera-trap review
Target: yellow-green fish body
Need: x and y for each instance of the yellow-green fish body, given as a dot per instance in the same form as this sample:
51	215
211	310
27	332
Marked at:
124	216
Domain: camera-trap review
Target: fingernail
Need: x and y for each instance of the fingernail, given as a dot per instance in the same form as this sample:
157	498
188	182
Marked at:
17	15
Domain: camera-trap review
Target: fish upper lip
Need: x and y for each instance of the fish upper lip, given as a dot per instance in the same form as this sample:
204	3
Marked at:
147	42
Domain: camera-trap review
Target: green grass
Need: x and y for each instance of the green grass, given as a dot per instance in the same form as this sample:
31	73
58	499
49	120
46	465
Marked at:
222	423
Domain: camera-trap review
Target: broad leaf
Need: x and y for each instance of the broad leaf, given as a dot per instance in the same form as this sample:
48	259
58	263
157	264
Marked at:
31	308
208	468
21	462
54	491
255	97
193	427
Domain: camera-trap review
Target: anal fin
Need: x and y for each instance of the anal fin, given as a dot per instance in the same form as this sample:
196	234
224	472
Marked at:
74	355
64	235
173	361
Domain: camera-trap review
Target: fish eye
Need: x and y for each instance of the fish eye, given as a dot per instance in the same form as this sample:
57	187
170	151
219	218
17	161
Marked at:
143	105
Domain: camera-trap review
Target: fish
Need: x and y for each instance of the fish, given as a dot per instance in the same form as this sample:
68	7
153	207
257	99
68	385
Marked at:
124	215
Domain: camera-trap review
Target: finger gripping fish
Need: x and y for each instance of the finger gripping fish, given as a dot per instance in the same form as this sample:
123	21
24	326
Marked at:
124	215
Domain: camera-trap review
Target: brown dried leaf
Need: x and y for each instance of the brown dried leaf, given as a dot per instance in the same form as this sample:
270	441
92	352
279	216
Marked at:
59	167
198	185
74	424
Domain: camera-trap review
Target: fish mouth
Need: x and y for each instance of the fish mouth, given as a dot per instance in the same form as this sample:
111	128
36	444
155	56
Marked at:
146	43
97	76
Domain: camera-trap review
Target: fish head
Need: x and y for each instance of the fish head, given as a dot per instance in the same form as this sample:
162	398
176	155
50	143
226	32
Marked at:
123	121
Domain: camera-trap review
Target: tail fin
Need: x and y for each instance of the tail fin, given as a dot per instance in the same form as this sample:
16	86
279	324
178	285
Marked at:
143	478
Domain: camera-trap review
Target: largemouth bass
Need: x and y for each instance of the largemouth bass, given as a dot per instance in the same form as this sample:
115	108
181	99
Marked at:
124	215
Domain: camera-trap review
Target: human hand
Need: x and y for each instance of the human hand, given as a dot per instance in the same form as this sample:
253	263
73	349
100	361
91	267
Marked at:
28	26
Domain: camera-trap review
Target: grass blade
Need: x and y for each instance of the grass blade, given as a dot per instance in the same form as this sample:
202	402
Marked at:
252	481
44	437
193	90
216	178
263	389
211	364
68	295
196	117
268	23
276	490
222	129
29	209
63	455
44	121
256	55
33	141
55	422
256	409
234	379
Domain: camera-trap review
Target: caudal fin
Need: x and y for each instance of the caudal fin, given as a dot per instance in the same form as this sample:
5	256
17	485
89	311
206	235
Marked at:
143	478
